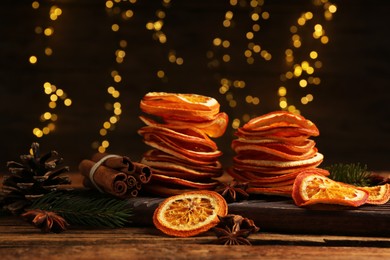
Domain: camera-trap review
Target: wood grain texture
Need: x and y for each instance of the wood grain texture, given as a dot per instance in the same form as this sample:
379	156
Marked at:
19	240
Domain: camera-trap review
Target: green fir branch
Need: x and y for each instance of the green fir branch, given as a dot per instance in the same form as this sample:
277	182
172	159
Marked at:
86	208
351	173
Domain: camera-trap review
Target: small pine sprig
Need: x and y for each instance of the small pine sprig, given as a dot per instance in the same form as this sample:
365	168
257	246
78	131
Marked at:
351	173
86	208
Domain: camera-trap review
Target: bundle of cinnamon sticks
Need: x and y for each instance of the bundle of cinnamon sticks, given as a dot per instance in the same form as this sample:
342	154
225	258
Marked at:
114	174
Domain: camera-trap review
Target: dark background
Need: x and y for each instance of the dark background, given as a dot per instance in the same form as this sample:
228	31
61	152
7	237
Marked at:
350	106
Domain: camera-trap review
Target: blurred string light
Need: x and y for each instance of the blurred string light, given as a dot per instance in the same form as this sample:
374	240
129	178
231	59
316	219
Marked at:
157	27
302	57
221	55
54	93
120	12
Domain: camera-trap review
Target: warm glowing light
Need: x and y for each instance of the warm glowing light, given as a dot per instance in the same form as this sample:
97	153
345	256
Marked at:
129	14
249	35
115	27
229	15
52	104
283	104
106	125
53	97
157	26
68	102
303	83
332	9
225	44
160	74
46	130
255	16
308	15
226	23
293	29
113	120
310	70
109	4
37	132
289	75
257	48
226	58
46	115
103	132
297	71
33	59
179	61
117	78
217	41
35	5
48	51
115	94
236	123
265	15
59	92
304	65
324	39
301	21
282	91
313	55
48	31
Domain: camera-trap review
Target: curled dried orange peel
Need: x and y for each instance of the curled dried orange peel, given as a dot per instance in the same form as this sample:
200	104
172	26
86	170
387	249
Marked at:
311	188
379	194
190	213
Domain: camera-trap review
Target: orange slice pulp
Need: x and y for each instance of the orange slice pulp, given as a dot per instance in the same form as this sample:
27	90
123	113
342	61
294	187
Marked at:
190	213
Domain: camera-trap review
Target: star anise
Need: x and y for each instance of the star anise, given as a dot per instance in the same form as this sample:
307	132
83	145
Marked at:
47	221
234	230
233	190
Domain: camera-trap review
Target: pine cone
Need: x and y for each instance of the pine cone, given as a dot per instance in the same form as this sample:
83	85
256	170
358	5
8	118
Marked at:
31	178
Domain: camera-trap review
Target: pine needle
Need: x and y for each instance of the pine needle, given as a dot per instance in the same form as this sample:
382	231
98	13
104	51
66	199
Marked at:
352	173
87	208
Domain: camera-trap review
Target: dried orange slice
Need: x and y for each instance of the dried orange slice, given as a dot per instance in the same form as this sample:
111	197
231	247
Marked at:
190	213
312	188
187	107
280	119
213	128
379	194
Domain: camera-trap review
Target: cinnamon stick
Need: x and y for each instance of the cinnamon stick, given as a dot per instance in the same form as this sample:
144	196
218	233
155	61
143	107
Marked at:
107	179
120	163
144	172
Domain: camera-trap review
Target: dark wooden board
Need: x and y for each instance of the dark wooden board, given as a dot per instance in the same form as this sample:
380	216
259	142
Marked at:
283	216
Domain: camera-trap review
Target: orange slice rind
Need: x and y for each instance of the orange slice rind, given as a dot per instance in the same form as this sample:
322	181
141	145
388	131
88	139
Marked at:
189	214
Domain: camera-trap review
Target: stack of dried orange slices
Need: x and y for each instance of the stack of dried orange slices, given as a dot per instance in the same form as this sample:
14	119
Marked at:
272	149
183	157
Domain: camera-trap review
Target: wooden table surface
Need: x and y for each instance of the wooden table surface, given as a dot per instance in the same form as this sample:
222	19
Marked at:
20	240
